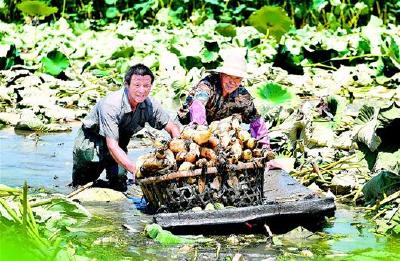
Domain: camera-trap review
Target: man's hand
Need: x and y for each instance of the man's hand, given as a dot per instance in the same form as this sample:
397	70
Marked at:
132	169
172	129
120	156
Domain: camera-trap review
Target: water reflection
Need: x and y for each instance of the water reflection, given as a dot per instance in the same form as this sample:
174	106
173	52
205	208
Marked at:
43	161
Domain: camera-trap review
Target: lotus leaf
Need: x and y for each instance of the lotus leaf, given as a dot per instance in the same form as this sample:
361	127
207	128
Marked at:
111	2
9	118
385	183
112	12
321	136
362	8
389	161
207	56
273	93
174	16
9	56
318	5
68	207
226	29
366	133
162	16
123	51
144	7
388	114
271	20
390	46
373	32
36	8
190	62
165	237
215	2
55	62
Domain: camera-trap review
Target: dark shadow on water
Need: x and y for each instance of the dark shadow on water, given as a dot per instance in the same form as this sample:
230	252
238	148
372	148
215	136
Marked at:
277	225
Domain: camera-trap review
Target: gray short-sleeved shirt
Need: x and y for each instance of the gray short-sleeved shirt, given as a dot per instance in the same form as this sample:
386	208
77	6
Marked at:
113	117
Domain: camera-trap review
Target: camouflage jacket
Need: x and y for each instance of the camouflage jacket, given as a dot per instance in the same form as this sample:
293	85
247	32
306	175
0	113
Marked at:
209	92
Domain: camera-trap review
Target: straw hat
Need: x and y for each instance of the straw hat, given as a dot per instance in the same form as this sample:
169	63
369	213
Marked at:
234	62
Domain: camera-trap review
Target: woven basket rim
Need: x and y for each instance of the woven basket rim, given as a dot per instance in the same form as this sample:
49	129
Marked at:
256	163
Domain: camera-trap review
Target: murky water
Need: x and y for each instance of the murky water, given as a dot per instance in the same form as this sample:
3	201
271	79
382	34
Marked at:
45	161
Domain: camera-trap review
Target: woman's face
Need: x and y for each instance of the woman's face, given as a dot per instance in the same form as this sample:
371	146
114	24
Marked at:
230	83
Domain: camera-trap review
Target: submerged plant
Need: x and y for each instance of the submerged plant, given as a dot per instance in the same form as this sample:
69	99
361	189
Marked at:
36	226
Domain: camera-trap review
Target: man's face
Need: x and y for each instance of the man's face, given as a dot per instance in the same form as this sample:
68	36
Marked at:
139	88
230	83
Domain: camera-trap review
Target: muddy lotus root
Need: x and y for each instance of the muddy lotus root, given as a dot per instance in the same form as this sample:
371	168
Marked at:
198	146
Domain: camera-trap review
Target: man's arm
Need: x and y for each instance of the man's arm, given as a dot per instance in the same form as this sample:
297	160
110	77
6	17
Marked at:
120	155
172	129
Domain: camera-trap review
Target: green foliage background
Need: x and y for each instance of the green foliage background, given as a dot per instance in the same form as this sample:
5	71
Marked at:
328	13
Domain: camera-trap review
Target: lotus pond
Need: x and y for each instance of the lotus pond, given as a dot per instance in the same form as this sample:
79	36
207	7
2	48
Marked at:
325	75
45	161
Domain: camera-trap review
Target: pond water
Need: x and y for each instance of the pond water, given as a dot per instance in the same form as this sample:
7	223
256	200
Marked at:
45	161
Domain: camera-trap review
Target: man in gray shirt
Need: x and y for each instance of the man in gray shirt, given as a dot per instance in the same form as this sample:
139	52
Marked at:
105	133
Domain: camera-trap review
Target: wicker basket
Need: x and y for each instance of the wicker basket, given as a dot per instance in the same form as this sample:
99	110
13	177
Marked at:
235	185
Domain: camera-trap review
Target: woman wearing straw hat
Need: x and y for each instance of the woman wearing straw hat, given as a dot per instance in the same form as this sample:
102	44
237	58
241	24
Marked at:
220	95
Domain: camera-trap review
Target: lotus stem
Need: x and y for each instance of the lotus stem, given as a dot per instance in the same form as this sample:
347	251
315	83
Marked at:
379	213
390	198
10	211
358	56
394	213
10	190
320	65
32	219
24	203
357	194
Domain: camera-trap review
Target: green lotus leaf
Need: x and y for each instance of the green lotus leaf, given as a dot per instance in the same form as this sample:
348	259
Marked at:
364	46
174	15
9	56
273	93
366	134
318	5
214	2
388	161
370	3
112	12
226	29
388	114
55	62
162	16
212	46
100	73
189	62
124	51
208	56
385	183
68	207
111	2
36	8
391	47
271	20
365	115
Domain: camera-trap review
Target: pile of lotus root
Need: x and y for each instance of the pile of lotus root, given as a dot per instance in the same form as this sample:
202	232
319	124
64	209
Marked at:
222	142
